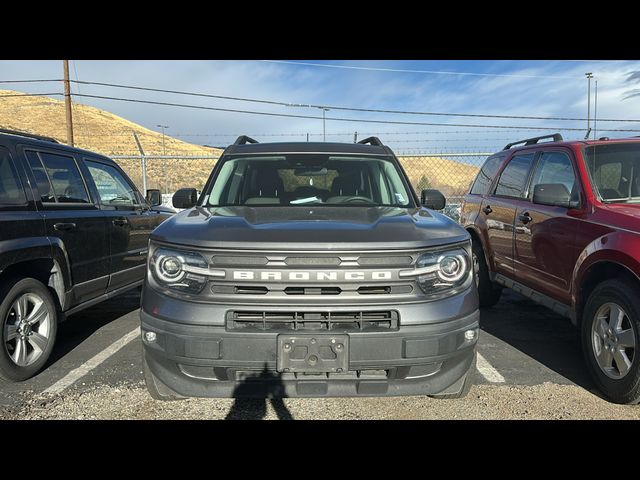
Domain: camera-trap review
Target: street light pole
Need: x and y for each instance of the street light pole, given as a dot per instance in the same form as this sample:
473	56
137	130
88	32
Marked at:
163	127
324	131
589	77
164	154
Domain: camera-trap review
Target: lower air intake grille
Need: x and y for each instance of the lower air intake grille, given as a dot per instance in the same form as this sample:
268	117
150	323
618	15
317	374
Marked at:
329	321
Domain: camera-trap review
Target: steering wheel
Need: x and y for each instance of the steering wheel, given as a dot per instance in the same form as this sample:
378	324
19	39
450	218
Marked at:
357	199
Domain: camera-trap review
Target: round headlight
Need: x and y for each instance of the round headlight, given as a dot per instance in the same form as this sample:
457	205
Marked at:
169	268
452	267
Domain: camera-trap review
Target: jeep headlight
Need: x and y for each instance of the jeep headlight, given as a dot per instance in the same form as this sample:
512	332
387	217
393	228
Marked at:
441	271
179	270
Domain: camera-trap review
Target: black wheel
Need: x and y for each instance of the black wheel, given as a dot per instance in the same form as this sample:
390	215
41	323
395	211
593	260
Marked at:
610	332
157	390
488	291
467	381
28	326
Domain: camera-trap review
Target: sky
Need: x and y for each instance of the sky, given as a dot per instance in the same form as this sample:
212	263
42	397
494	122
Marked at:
502	87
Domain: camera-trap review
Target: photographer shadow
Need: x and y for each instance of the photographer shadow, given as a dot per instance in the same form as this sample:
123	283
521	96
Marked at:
252	394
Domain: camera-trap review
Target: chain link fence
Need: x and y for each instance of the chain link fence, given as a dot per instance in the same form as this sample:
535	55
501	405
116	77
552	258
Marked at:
451	173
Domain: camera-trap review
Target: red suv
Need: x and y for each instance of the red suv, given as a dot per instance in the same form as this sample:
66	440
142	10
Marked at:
559	222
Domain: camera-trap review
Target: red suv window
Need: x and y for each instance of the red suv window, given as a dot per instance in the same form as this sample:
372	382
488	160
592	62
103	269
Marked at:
514	176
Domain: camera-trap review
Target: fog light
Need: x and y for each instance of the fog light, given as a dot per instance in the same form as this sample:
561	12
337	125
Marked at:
150	337
470	334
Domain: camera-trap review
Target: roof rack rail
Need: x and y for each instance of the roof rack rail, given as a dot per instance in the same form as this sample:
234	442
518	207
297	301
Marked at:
243	139
532	141
30	135
372	141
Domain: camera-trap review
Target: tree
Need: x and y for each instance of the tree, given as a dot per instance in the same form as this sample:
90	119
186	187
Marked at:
423	183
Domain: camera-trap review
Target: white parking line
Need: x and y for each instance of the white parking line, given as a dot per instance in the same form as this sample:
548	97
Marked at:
487	370
89	365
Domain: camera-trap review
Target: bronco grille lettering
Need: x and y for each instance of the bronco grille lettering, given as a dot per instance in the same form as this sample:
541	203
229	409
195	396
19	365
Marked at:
305	276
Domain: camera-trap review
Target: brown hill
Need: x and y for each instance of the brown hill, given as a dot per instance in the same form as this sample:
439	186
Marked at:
101	131
452	177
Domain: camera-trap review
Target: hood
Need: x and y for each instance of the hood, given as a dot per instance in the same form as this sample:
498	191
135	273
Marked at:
620	215
304	228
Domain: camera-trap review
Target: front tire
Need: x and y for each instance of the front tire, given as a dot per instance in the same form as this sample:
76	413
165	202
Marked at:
28	327
488	291
610	332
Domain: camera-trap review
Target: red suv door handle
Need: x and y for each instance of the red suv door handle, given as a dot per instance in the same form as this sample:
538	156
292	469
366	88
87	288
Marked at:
525	218
487	210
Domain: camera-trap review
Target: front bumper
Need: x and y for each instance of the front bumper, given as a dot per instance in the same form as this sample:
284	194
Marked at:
196	356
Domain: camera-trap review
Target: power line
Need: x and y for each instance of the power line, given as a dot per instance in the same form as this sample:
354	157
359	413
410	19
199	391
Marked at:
338	119
435	72
352	109
29	95
31	81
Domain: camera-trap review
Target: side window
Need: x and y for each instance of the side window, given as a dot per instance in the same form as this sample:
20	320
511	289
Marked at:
112	187
554	167
514	176
11	192
57	177
485	176
42	179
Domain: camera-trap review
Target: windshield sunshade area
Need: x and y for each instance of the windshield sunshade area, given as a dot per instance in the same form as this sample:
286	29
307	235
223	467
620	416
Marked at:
308	179
615	171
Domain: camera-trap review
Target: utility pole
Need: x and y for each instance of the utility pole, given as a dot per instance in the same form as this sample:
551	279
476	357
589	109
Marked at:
67	103
589	77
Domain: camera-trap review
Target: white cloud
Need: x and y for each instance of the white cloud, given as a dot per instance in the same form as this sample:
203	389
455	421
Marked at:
365	89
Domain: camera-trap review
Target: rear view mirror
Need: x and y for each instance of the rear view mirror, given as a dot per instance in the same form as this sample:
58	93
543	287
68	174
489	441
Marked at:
185	198
154	198
553	194
310	172
433	199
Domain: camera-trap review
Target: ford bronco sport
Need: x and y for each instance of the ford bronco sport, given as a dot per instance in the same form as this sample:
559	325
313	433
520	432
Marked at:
74	232
560	223
313	267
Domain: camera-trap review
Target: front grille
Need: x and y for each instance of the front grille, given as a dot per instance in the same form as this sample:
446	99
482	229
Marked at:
313	290
310	290
369	321
381	290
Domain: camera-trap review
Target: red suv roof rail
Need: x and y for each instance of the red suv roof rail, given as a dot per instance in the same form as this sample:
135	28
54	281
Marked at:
532	141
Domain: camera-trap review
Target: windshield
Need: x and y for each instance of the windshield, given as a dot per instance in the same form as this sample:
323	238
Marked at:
615	171
308	179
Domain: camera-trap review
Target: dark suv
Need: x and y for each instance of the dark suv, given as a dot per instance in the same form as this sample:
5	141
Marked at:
73	231
308	269
560	223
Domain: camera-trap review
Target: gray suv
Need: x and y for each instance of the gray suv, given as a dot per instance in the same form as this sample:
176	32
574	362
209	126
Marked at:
313	267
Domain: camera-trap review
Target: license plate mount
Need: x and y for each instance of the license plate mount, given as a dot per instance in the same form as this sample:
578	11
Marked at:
313	353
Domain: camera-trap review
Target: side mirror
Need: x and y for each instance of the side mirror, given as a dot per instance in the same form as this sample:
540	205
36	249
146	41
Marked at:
185	198
553	194
154	198
433	199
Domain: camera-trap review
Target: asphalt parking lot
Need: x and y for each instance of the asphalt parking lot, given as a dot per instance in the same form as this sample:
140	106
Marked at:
529	366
